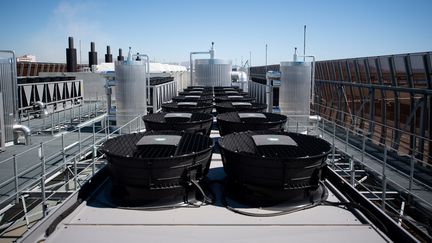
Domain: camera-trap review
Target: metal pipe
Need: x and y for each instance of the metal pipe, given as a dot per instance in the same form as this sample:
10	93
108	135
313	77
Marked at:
304	43
266	58
15	163
42	107
42	181
384	179
270	76
25	130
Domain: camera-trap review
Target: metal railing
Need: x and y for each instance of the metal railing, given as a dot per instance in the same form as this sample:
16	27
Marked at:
375	136
258	91
162	93
60	154
402	181
61	119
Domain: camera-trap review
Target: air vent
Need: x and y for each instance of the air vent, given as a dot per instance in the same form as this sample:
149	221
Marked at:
190	107
217	88
270	167
229	92
188	122
239	122
240	107
193	98
234	98
152	166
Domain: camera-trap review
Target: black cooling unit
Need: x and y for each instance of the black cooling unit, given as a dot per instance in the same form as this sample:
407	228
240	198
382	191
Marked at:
191	107
156	166
229	93
188	122
194	98
234	98
197	92
226	88
271	167
240	122
240	107
203	88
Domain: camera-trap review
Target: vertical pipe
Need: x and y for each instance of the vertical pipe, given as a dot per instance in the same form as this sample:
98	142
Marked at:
75	169
384	179
80	53
94	152
63	152
304	43
71	62
363	148
120	56
412	161
92	55
334	145
191	69
266	59
108	55
16	179
346	140
42	180
79	142
352	170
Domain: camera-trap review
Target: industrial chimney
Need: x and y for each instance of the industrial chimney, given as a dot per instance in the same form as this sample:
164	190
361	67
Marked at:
92	55
71	57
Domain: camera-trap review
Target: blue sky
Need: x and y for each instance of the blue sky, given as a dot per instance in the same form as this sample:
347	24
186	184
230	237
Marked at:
168	30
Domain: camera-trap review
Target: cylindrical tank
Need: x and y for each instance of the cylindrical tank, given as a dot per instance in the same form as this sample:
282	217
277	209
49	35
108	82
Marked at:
212	72
131	98
294	95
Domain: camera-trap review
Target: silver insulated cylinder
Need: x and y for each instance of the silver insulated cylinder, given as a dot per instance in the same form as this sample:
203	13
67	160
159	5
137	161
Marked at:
294	94
212	72
130	91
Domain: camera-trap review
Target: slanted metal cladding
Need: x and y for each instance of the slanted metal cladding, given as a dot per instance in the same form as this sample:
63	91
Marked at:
8	91
212	72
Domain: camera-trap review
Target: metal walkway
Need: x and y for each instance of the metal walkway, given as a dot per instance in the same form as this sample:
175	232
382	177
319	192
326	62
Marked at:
405	178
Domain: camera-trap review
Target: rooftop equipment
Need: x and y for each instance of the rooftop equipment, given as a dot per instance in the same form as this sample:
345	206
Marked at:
234	98
108	55
270	167
120	56
240	107
210	72
92	55
131	96
193	98
192	107
231	122
71	57
188	122
294	93
196	92
153	166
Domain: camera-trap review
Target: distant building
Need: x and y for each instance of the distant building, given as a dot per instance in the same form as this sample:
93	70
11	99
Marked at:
26	58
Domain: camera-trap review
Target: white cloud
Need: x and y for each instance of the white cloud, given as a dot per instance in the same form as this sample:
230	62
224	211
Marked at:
76	19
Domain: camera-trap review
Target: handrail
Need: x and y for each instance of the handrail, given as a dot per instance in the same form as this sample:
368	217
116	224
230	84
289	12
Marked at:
409	176
48	158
